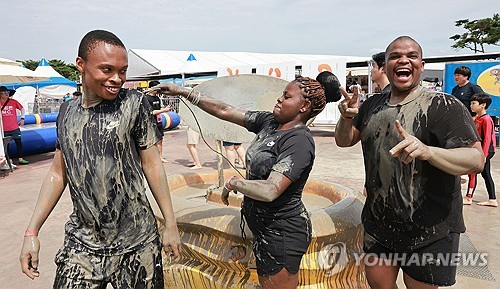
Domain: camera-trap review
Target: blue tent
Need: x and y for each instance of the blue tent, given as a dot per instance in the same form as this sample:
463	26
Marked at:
44	69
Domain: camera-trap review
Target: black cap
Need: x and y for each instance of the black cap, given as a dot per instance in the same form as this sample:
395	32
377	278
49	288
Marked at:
11	91
331	85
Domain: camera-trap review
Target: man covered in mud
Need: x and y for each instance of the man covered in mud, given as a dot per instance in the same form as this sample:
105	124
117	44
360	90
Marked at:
105	148
416	143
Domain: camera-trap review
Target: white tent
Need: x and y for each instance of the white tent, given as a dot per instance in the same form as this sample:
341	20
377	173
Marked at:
53	86
12	71
57	86
143	62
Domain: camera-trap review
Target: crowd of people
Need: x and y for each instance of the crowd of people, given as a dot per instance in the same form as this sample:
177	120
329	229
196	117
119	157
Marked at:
416	144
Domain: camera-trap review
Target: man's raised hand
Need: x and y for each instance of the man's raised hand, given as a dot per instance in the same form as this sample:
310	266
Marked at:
410	147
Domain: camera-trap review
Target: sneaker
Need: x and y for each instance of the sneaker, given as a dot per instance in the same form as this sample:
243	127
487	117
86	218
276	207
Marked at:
467	201
489	203
23	162
14	167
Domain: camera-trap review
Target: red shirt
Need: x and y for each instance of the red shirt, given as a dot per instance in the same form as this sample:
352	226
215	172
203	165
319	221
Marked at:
486	130
9	115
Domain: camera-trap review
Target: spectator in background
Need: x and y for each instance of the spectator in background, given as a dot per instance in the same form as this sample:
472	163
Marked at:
155	102
193	138
9	119
378	72
353	85
76	94
464	89
485	127
3	161
67	97
233	149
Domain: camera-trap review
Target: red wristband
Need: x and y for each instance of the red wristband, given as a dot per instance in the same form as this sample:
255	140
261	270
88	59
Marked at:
227	185
346	117
29	233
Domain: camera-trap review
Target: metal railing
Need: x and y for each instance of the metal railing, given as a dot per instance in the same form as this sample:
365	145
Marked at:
44	106
172	101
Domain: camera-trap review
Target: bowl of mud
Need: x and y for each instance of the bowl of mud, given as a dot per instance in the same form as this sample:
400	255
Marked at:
214	254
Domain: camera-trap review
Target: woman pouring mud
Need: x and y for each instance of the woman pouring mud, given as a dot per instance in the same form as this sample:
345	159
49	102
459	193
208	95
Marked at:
279	161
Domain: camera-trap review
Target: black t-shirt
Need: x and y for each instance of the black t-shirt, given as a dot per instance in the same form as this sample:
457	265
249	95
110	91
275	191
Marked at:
412	205
100	147
465	93
290	152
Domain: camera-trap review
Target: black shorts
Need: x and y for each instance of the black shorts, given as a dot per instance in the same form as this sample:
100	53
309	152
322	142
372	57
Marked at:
279	243
432	264
15	134
228	144
159	126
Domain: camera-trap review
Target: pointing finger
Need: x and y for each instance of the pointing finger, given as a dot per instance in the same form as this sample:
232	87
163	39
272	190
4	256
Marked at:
344	93
354	99
401	130
398	149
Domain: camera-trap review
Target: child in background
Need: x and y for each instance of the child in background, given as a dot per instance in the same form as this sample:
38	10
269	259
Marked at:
484	124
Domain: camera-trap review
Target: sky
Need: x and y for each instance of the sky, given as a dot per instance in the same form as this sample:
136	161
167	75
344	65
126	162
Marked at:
34	29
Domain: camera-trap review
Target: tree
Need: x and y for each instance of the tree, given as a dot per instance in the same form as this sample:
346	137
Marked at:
479	33
30	64
67	70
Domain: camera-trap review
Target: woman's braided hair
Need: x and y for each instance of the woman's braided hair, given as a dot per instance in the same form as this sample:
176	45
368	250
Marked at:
314	92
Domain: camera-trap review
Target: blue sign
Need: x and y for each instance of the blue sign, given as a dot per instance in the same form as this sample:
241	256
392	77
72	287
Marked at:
484	74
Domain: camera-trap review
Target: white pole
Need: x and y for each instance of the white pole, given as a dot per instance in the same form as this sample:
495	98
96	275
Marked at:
370	81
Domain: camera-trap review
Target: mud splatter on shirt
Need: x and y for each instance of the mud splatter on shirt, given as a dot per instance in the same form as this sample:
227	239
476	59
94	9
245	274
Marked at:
290	152
412	205
100	146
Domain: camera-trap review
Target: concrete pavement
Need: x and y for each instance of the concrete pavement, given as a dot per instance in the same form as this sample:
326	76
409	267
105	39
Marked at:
344	166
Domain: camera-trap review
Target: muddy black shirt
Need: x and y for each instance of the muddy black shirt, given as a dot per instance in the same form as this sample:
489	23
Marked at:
412	205
290	152
100	146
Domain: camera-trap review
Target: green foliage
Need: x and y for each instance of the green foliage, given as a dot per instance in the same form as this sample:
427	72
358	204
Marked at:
67	70
479	33
30	64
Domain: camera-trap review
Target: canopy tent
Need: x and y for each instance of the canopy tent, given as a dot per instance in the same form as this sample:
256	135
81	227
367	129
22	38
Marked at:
145	63
54	87
164	64
12	71
190	66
